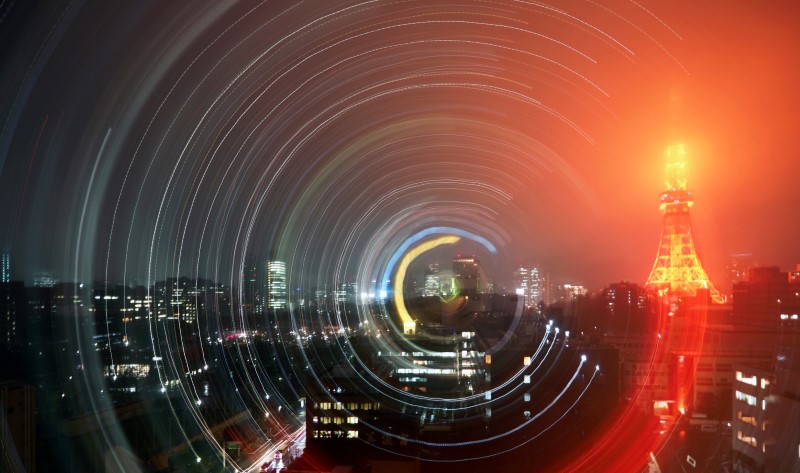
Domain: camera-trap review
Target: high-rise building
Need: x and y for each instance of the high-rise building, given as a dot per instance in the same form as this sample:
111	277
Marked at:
253	284
9	303
528	284
276	285
749	422
739	267
535	286
625	307
522	284
468	274
432	280
546	284
12	308
5	268
766	407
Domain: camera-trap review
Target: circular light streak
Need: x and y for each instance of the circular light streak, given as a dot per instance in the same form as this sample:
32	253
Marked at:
406	321
338	138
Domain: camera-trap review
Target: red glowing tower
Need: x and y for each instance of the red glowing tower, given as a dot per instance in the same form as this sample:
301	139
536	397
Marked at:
679	286
677	269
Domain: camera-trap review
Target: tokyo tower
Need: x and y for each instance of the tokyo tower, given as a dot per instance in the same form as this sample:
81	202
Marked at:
677	269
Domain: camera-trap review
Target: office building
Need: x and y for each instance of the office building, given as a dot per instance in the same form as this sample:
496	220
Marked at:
277	296
467	274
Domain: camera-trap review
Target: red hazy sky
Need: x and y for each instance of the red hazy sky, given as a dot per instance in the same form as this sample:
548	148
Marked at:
737	111
419	119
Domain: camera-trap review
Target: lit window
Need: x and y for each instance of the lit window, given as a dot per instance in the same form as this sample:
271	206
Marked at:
751	380
750	400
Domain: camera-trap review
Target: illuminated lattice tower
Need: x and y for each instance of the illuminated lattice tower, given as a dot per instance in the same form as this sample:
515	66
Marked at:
677	268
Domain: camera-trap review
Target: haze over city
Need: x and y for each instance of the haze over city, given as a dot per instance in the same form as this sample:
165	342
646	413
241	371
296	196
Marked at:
188	187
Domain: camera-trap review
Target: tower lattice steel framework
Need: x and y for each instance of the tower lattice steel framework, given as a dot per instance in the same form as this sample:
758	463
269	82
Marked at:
677	268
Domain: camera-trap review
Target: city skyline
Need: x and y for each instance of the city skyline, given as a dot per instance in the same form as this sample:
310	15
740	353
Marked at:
419	227
601	185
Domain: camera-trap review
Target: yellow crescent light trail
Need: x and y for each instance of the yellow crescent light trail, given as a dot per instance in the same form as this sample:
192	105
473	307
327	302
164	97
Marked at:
409	326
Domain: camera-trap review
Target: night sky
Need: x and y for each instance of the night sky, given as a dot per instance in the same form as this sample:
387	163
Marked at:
151	139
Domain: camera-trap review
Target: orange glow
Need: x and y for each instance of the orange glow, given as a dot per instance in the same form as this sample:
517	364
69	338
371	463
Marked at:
677	267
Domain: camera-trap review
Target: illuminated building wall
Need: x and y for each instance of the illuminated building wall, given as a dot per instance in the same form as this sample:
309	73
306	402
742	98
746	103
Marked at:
337	417
788	357
744	332
183	300
528	283
546	284
625	308
12	310
5	268
44	279
714	379
432	280
444	366
346	294
535	286
749	424
766	408
522	284
276	285
339	413
785	417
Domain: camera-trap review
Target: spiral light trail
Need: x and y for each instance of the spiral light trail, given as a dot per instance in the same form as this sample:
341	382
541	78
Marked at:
174	160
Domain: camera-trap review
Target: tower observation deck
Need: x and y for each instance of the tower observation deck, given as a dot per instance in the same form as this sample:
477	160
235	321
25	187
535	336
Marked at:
677	268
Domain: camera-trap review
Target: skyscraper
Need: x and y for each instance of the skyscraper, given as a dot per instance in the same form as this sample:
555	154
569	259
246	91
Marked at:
432	280
468	274
522	284
253	283
276	285
546	285
535	286
5	268
739	267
